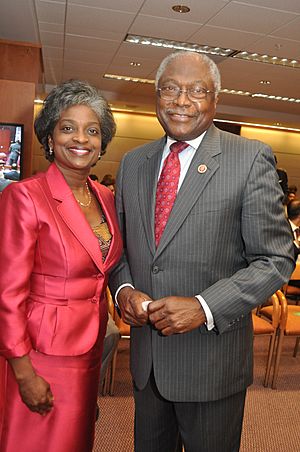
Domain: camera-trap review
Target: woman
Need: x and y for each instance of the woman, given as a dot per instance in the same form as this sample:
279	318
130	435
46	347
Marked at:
60	240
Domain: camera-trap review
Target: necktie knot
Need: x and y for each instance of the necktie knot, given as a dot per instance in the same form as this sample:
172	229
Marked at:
178	146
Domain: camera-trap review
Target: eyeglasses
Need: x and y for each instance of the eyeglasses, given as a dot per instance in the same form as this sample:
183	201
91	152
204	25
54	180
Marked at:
194	93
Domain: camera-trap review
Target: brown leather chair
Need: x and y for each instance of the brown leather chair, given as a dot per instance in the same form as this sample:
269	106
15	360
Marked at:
267	326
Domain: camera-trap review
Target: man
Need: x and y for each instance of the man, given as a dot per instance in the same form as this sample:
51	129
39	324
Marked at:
293	212
226	248
14	153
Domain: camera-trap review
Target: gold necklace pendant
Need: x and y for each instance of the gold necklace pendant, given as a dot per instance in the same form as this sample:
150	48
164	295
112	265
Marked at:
82	204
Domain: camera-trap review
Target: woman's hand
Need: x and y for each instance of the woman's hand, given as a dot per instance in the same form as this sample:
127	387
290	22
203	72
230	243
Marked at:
36	394
34	390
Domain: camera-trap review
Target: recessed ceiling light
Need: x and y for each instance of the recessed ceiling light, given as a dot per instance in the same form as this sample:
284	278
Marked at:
135	63
265	82
181	9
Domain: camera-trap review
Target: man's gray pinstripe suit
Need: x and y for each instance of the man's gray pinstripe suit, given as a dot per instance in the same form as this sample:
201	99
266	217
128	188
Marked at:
226	239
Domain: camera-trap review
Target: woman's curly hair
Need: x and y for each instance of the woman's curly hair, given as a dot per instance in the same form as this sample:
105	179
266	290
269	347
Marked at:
68	94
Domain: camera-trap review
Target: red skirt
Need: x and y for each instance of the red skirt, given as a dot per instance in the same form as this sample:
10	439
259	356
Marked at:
70	425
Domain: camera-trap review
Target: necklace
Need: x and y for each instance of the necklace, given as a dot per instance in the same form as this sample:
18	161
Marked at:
82	204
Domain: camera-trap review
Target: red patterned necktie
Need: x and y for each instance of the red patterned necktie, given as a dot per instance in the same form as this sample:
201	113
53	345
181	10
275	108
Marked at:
167	186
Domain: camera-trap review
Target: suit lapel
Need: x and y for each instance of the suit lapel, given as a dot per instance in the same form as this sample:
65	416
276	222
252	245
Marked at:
72	216
193	184
147	178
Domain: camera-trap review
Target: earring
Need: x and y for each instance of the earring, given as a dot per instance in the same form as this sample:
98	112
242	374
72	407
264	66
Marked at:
99	156
50	150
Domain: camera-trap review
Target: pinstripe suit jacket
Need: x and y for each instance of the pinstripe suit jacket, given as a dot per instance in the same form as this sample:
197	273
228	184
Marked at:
226	239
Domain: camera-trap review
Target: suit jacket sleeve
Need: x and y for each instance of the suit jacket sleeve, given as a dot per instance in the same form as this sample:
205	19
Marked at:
267	249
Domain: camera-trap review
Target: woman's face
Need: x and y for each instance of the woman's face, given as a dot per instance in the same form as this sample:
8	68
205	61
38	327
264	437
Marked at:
76	139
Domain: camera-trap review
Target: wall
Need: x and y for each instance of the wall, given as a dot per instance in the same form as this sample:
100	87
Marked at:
286	146
16	105
18	87
134	129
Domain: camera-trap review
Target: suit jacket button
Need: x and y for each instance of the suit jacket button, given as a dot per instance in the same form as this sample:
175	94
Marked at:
94	300
155	269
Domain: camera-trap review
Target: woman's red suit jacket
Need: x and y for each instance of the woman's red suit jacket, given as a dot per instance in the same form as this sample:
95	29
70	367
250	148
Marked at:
52	279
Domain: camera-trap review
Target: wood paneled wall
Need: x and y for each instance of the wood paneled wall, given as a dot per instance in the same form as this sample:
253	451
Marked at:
16	105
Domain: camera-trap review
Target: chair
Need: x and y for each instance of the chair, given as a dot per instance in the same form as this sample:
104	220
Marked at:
291	292
289	325
124	329
267	327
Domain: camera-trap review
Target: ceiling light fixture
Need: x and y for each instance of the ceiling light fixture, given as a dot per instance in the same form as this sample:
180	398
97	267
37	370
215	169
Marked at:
135	63
181	9
210	50
156	42
265	82
126	78
263	58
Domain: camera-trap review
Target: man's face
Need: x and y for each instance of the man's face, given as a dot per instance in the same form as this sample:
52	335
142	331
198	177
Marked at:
181	118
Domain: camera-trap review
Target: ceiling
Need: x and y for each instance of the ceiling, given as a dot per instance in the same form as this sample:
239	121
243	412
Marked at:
85	39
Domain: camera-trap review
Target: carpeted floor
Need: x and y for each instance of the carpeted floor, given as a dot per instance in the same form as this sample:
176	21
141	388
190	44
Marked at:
272	417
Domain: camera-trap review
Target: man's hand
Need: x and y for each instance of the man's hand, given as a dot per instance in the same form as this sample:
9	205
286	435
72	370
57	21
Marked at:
130	302
172	315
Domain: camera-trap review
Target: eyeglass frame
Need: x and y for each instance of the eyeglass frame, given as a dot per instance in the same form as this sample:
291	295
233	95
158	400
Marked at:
187	92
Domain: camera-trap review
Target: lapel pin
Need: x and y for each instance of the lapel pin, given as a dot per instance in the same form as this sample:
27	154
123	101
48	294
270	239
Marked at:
202	168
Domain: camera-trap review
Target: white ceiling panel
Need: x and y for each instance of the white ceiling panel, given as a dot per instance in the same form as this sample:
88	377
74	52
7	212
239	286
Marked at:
18	21
91	44
200	11
52	52
289	31
82	19
224	37
83	56
50	27
283	48
130	6
280	5
163	28
53	12
238	16
52	39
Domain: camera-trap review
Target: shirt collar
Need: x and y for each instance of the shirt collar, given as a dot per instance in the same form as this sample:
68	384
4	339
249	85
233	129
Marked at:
195	143
293	226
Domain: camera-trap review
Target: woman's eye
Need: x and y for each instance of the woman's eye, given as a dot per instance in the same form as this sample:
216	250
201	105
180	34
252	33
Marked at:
94	131
67	129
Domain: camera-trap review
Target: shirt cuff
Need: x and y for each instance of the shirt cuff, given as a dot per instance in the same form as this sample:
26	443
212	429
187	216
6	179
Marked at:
118	290
210	324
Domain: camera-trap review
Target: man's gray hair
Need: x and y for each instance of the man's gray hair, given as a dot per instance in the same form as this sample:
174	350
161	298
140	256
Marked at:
212	67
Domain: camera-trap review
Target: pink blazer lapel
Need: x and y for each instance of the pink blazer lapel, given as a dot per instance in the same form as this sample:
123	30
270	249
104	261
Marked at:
106	200
71	214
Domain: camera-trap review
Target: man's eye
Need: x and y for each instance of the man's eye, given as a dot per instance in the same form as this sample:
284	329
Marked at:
197	90
170	89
